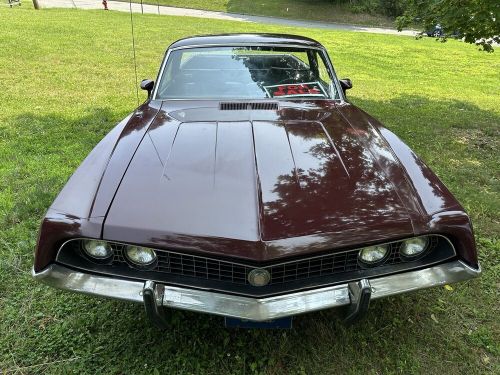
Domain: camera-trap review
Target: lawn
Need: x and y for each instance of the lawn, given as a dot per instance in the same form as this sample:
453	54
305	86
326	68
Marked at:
67	77
317	10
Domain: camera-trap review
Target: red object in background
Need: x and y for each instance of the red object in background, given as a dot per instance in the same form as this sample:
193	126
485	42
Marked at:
302	89
105	4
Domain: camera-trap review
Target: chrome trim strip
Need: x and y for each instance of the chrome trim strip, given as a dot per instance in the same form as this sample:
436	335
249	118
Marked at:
257	309
64	278
160	75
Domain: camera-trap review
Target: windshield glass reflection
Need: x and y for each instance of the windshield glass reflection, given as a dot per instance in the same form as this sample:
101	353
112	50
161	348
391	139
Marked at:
246	73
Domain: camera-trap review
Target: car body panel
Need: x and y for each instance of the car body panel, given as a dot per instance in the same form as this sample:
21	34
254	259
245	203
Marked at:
122	154
416	207
255	182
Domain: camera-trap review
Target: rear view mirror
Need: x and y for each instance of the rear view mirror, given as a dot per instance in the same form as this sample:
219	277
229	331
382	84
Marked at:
346	84
147	84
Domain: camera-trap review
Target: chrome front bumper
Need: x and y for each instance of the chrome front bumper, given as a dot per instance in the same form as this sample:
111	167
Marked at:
256	309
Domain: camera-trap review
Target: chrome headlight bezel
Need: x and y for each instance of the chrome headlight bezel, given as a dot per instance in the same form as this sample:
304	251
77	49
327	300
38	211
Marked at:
418	255
367	263
136	264
99	259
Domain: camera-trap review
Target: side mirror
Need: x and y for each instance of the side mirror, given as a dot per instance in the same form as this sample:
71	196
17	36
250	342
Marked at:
346	84
147	84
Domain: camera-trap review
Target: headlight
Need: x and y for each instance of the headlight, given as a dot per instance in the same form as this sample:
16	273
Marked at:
99	250
373	254
414	247
140	256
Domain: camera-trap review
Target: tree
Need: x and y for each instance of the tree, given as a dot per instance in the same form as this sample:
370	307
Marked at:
476	21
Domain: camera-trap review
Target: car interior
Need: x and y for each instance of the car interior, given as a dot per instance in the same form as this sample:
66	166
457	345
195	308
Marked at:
239	75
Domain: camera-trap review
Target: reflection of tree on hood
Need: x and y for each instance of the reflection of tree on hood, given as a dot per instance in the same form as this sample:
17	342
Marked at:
324	191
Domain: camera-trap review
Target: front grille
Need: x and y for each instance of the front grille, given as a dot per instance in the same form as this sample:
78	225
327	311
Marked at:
211	269
227	275
240	106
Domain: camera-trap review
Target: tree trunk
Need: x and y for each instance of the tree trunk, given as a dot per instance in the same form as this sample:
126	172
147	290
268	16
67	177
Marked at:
35	4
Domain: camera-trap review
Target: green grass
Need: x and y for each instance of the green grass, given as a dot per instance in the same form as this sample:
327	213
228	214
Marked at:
67	78
317	10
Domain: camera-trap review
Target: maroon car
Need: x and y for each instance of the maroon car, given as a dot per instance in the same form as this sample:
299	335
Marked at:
248	186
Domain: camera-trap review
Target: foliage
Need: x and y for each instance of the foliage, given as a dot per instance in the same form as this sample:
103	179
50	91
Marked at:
390	8
476	21
67	77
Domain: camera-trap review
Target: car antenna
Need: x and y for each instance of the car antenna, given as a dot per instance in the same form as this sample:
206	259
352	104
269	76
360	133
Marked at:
133	49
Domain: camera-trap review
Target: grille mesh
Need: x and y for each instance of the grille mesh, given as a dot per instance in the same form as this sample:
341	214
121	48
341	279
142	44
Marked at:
240	106
212	269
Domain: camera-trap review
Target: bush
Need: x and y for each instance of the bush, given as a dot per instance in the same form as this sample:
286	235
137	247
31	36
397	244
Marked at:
391	8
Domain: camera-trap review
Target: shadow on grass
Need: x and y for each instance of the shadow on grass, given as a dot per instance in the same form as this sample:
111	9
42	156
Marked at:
41	153
426	113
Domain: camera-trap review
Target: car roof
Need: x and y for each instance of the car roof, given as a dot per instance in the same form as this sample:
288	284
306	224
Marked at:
246	39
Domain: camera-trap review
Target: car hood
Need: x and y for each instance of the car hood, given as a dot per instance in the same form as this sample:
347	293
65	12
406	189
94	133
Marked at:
259	184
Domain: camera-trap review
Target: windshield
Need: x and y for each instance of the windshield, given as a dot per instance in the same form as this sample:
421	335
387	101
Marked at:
246	73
